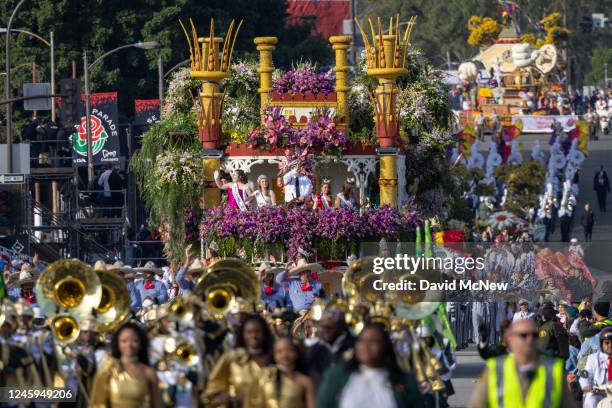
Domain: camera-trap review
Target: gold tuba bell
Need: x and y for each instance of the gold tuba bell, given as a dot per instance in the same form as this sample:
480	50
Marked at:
226	280
358	281
181	310
114	306
186	354
68	286
65	328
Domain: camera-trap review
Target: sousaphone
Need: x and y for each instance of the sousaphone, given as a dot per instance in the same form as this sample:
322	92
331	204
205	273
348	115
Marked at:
358	282
114	305
68	286
224	282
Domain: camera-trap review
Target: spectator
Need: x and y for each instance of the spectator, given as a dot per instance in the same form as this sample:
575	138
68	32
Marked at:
601	185
103	181
587	220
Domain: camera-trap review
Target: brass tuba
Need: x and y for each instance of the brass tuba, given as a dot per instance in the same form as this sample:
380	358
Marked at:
68	291
68	286
65	328
358	281
114	306
181	310
186	354
224	282
182	351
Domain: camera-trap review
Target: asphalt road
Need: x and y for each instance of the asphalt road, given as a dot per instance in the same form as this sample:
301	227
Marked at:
598	254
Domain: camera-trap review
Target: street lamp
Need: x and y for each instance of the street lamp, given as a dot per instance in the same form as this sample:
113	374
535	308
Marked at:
51	45
146	45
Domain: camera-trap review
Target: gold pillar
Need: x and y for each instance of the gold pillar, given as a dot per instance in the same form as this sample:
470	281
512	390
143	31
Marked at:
37	192
55	199
265	46
388	180
341	44
212	194
386	59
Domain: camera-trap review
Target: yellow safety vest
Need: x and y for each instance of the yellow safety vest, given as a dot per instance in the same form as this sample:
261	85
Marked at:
505	389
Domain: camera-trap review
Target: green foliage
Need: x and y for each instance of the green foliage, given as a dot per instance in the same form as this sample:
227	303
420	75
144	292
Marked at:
600	57
99	26
524	183
441	26
241	106
174	135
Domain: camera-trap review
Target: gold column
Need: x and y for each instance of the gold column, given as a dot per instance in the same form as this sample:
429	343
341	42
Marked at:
386	54
211	58
265	46
212	194
54	198
341	44
388	180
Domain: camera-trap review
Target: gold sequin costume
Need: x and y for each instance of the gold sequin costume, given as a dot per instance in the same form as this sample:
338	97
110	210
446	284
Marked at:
237	374
116	386
292	395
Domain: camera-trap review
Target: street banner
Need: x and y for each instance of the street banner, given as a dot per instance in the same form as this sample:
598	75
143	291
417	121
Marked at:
541	124
147	111
104	125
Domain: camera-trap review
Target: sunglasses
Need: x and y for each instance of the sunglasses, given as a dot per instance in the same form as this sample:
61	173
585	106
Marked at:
525	335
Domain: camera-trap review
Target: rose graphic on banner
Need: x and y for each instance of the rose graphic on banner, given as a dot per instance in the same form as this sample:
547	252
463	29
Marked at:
105	131
98	136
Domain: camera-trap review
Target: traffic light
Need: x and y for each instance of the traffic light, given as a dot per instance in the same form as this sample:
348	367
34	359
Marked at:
586	23
70	89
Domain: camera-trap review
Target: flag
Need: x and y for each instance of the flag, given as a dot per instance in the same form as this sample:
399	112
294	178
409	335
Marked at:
2	284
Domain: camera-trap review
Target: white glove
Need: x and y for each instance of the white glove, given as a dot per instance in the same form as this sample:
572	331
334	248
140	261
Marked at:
216	174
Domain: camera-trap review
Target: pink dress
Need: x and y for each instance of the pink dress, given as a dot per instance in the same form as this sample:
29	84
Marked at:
231	200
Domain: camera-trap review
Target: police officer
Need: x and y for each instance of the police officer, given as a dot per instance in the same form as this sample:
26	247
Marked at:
523	377
553	338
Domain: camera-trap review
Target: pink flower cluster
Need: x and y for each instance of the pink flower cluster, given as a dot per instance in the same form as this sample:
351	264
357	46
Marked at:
320	134
304	79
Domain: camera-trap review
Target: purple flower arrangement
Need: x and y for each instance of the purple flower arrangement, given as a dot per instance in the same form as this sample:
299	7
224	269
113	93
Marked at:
300	227
303	79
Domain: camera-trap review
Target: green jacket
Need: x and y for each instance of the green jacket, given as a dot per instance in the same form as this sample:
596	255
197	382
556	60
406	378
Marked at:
336	378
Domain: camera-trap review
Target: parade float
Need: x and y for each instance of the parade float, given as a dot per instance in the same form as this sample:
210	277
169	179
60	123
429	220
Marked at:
512	72
382	125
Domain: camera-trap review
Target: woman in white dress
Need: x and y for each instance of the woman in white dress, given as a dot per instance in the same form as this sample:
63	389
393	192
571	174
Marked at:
347	198
264	196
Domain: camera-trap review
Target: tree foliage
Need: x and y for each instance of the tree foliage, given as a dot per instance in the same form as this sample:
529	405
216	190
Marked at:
99	26
441	28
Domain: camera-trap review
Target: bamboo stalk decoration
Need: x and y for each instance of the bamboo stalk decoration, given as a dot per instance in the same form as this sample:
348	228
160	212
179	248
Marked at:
213	60
375	43
386	53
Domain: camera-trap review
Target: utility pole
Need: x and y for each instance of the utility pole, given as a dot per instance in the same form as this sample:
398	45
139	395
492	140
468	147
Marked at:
7	91
160	80
90	165
605	77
